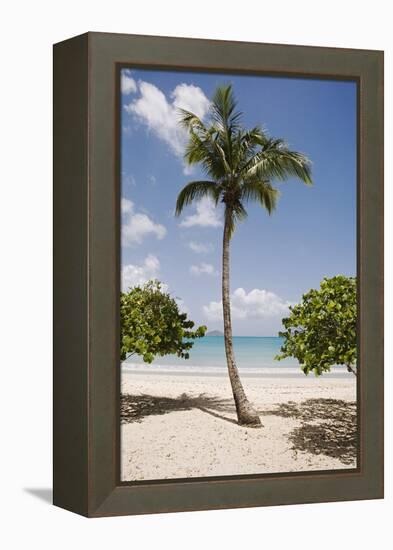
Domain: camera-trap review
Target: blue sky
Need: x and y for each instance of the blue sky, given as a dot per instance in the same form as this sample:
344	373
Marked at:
274	259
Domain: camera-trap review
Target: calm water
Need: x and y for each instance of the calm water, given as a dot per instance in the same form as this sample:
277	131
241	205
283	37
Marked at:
208	355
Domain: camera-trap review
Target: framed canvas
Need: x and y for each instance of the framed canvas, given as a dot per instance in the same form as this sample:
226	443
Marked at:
218	274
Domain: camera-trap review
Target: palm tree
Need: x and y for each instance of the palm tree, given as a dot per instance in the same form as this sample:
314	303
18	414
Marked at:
240	166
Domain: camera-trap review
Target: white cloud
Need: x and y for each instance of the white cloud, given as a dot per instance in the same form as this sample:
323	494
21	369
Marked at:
126	206
134	275
257	304
128	180
137	225
160	114
191	98
203	269
128	84
182	306
213	311
200	248
206	215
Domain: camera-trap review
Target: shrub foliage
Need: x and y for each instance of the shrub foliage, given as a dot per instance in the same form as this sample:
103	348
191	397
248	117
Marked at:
152	324
321	330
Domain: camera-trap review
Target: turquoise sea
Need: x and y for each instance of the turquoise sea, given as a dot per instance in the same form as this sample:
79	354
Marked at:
250	351
254	356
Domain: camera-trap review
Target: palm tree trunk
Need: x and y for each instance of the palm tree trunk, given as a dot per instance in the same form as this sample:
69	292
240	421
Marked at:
351	369
245	412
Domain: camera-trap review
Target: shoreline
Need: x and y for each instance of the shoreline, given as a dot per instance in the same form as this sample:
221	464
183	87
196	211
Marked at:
247	374
185	426
219	371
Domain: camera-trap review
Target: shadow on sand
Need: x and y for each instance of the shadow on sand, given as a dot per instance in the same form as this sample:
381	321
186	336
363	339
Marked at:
134	408
328	426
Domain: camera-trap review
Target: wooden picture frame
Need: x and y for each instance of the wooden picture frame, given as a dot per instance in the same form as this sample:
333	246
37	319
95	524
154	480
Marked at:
86	274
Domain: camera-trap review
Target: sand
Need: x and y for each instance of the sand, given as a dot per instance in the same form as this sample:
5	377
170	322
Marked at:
185	426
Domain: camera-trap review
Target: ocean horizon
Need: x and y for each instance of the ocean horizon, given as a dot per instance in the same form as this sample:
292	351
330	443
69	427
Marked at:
254	357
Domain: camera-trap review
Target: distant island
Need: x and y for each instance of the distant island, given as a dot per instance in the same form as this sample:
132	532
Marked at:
214	333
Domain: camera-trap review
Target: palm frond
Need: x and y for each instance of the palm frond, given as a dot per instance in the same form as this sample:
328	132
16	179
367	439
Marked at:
227	120
205	152
190	121
260	191
276	161
223	108
233	215
245	145
196	190
204	146
239	212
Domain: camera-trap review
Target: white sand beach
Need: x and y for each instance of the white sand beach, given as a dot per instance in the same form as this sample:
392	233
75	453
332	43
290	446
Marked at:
181	426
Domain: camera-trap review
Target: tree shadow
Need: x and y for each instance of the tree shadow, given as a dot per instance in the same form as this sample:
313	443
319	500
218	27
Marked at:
134	408
328	427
